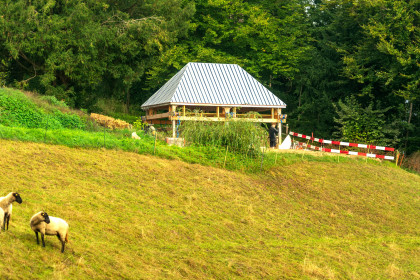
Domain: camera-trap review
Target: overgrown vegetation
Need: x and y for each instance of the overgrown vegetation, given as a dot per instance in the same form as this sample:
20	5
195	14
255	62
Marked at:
16	109
239	136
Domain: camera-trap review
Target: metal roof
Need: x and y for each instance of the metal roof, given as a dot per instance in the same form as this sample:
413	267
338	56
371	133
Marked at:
213	84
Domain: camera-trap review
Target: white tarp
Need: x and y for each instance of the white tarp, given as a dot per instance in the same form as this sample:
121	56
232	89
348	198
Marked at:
287	143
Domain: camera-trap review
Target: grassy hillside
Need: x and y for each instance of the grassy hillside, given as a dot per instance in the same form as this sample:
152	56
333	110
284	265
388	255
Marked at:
138	217
25	116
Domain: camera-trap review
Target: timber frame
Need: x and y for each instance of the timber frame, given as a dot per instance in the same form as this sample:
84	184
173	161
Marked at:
170	114
165	114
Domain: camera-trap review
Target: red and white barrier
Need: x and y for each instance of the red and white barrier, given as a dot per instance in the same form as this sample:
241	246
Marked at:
323	141
346	152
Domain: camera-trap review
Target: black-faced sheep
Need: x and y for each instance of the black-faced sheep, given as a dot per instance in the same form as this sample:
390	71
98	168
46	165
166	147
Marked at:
6	205
47	225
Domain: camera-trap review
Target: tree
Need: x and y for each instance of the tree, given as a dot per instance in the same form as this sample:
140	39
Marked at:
363	124
74	49
267	38
387	60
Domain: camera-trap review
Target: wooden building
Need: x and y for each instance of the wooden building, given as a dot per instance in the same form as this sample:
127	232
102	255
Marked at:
213	92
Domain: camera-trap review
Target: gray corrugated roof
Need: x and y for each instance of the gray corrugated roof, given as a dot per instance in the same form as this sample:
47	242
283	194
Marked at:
213	84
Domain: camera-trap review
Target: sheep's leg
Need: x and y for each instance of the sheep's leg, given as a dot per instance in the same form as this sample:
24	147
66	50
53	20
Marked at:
37	239
4	221
62	242
42	237
8	219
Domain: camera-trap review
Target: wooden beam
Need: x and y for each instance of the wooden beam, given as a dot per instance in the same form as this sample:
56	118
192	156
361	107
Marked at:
215	119
159	122
159	116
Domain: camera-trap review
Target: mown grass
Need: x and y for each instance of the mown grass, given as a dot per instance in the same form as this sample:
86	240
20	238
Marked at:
133	216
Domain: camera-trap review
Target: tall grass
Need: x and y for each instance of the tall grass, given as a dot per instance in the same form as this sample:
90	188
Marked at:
237	135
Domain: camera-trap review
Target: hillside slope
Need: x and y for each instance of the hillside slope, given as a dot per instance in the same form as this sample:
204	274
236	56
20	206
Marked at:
139	217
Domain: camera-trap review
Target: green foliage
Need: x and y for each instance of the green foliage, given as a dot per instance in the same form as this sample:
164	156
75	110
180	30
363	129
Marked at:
53	101
16	109
268	38
363	125
390	52
74	49
139	124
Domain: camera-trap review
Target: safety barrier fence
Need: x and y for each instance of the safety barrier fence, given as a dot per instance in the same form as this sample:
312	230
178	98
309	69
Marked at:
327	150
340	143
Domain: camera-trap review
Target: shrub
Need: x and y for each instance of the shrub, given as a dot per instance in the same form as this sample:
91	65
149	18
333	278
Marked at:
413	162
69	120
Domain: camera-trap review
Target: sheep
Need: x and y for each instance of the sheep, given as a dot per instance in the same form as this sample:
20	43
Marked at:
135	136
47	225
6	205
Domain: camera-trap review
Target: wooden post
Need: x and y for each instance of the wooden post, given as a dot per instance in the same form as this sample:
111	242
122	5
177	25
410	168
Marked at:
173	128
173	121
217	111
280	139
183	110
272	113
234	112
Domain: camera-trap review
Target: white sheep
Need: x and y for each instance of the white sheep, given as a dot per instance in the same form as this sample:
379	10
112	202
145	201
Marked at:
6	205
47	225
135	136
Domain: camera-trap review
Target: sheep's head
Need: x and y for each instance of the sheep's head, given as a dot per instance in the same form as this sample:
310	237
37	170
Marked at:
17	197
45	216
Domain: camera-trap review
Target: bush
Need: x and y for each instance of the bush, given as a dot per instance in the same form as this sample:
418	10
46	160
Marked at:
69	120
413	162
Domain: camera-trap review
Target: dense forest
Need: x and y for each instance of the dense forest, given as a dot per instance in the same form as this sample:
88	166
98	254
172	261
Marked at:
347	69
